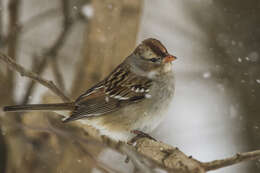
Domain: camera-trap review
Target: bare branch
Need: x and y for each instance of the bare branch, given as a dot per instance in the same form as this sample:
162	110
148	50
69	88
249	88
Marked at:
26	26
13	21
149	153
13	10
57	74
52	52
168	157
49	84
239	157
38	19
1	23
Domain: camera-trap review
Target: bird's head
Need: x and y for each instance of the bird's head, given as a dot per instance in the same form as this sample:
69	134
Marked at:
152	58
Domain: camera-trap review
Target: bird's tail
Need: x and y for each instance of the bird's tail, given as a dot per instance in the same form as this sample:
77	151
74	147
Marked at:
30	107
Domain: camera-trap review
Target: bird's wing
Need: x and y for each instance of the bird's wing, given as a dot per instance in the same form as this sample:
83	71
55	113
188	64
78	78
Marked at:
119	89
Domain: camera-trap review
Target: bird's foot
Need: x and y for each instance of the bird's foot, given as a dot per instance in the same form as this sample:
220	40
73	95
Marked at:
139	134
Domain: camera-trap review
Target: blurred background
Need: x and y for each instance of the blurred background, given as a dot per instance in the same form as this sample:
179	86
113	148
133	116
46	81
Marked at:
75	43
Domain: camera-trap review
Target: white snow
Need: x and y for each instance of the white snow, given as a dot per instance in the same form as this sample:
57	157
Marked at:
253	56
88	10
206	75
247	58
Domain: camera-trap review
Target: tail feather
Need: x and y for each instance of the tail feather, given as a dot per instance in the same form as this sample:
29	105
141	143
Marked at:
31	107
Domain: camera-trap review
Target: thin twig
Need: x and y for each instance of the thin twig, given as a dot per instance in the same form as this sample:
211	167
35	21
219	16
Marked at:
38	19
239	157
13	21
27	25
57	74
13	10
49	84
1	23
53	51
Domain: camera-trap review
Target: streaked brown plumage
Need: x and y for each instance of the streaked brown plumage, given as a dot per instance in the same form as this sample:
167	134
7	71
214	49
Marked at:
142	84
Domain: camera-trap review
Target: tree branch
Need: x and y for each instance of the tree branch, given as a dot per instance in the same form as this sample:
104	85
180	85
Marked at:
239	157
1	23
57	74
168	157
27	25
49	84
12	34
173	160
52	52
13	10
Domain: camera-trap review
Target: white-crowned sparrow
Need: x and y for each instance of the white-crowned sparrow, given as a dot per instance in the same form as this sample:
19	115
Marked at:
133	97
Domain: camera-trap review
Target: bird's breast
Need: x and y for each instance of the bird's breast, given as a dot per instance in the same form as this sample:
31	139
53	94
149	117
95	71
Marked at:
155	108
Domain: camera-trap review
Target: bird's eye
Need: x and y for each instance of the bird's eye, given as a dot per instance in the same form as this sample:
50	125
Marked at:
153	59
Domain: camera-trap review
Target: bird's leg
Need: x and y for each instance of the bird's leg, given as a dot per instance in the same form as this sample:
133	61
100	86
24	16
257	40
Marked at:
139	135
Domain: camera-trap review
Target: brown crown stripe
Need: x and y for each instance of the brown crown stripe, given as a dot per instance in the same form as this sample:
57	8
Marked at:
156	46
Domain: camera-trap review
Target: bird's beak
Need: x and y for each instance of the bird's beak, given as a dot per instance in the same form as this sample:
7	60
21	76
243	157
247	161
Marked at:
169	58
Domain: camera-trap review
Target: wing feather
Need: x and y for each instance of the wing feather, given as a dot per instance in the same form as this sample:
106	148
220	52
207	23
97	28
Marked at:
120	88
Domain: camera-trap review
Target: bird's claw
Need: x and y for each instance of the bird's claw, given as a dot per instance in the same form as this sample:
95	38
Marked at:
139	134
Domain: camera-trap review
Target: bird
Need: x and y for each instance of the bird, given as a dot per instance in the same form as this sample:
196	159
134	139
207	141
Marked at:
132	99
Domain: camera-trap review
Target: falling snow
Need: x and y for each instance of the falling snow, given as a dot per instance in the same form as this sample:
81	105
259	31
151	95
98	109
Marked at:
258	81
253	56
239	59
206	75
256	127
110	6
88	11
